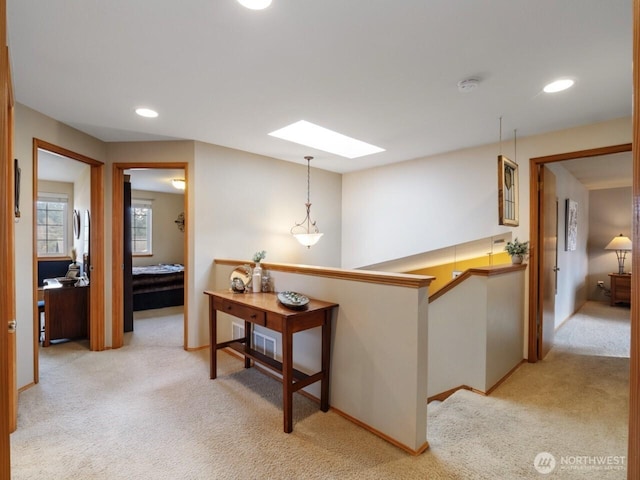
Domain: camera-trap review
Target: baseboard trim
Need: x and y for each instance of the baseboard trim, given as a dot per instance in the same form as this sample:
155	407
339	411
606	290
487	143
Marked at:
441	397
378	433
315	399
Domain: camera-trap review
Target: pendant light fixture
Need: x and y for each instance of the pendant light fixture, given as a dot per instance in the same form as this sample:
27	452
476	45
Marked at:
306	232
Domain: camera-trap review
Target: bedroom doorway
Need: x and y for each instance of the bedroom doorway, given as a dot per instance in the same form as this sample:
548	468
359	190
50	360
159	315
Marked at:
160	265
89	194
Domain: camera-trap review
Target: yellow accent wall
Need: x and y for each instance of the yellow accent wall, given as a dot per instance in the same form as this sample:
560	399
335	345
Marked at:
444	273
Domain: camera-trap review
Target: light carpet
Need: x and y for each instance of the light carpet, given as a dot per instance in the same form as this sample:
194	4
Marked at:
149	410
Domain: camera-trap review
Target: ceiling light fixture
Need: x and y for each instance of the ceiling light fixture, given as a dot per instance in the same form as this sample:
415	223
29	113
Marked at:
558	85
146	112
255	4
311	135
468	85
179	183
306	232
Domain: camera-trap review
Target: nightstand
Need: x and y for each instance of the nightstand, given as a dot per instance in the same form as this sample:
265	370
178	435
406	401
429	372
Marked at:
620	288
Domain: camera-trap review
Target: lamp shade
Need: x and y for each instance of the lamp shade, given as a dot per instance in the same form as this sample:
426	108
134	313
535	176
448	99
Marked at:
619	243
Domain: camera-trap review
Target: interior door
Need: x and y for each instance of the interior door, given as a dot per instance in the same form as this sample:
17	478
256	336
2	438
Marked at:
127	278
548	260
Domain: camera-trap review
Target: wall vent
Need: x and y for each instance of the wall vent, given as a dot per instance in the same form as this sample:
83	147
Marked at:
261	342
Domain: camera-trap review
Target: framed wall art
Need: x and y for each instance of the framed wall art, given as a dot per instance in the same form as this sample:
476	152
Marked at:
507	192
571	225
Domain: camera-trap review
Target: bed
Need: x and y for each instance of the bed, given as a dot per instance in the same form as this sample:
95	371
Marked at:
158	286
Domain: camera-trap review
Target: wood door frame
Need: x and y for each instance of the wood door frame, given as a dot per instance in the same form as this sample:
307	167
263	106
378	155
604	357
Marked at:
7	249
96	247
117	254
535	191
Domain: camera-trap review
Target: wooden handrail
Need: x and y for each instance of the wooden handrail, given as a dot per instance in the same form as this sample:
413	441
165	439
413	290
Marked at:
488	271
385	278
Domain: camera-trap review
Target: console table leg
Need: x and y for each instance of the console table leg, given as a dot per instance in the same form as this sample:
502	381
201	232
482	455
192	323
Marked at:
287	378
326	359
213	340
248	335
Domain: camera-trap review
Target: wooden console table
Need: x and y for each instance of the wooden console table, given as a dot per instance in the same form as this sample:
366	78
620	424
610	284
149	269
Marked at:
265	310
620	288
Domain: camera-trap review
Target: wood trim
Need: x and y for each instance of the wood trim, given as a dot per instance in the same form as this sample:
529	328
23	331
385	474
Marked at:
488	271
633	453
441	397
535	165
117	178
117	256
423	448
385	278
7	243
444	395
591	152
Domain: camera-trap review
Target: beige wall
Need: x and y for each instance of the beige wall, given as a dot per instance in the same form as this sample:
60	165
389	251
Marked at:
30	124
610	214
168	241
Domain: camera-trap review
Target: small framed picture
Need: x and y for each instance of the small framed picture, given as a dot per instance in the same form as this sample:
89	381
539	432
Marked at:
507	192
571	225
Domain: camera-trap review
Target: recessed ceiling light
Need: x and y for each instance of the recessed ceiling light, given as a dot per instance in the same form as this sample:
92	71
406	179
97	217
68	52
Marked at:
146	112
255	4
314	136
558	85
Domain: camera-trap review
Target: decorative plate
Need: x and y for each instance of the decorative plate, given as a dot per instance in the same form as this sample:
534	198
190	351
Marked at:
293	300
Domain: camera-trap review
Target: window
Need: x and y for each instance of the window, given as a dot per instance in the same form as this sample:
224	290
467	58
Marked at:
51	227
141	227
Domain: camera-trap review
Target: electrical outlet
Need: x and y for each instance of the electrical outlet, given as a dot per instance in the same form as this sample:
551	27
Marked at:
600	283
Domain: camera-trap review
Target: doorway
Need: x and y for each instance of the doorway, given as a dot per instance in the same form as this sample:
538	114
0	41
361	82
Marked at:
95	244
118	252
538	278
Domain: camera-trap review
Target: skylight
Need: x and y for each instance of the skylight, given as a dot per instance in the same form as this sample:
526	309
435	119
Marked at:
314	136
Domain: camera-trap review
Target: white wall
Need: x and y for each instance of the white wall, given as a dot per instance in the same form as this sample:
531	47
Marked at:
30	124
167	239
572	276
245	203
433	202
476	332
610	215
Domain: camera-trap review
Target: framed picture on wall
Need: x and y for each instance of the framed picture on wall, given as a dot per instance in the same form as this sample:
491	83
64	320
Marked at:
571	225
507	192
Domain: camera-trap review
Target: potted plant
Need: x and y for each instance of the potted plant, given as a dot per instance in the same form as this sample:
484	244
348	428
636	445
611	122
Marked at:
517	250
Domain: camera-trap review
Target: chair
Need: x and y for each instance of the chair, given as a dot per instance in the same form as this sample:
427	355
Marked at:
41	318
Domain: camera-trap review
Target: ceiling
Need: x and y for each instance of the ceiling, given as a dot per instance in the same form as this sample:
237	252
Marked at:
383	72
57	168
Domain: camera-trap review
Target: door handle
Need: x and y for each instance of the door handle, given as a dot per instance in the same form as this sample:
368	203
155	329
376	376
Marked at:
12	326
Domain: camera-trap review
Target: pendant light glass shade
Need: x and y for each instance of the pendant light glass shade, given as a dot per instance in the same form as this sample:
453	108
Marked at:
306	232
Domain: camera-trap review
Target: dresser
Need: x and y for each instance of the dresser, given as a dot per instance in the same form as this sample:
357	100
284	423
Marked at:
620	288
